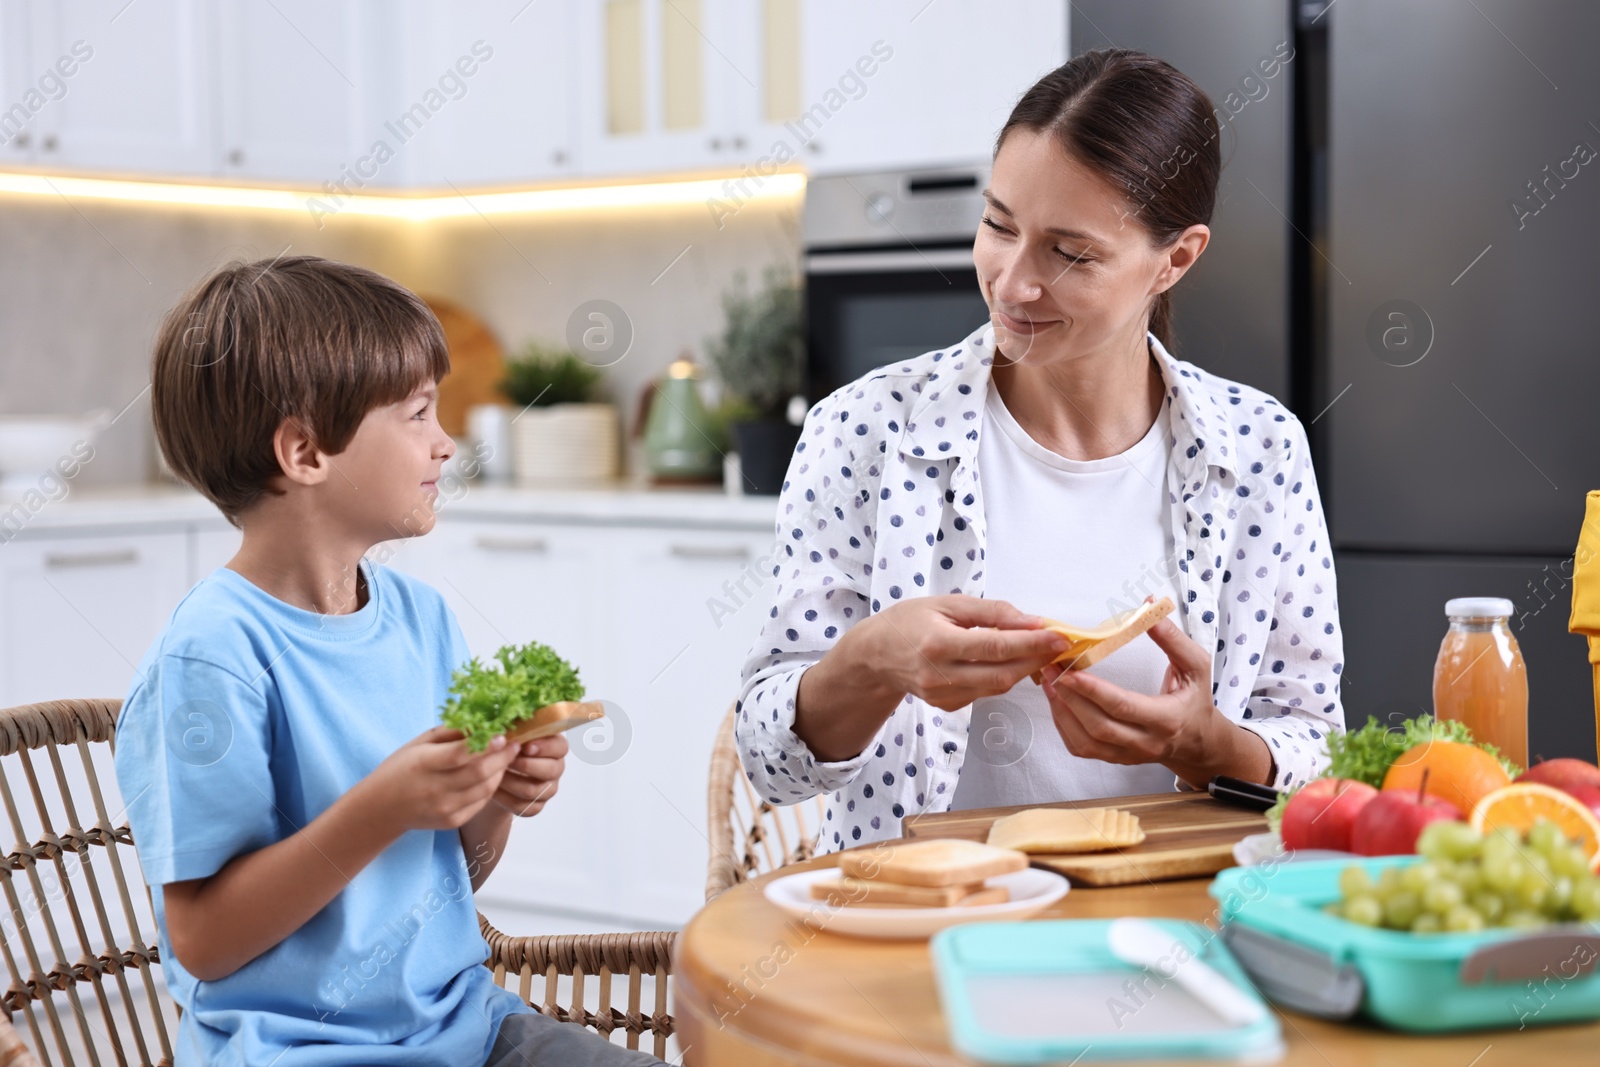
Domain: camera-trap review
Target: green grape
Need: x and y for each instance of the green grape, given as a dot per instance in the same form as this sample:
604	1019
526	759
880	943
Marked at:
1441	896
1426	923
1586	898
1545	837
1490	905
1524	920
1389	881
1449	840
1569	861
1500	871
1559	899
1355	881
1364	909
1462	920
1531	890
1401	908
1418	876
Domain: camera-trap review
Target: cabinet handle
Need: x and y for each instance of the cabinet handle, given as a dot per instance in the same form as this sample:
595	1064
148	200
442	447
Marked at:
236	156
114	558
513	544
22	140
558	157
709	551
738	143
49	142
715	144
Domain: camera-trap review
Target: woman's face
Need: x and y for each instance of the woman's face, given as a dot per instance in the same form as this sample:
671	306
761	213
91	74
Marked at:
1064	264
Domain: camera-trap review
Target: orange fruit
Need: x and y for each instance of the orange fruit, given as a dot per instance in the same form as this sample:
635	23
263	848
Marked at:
1460	773
1519	806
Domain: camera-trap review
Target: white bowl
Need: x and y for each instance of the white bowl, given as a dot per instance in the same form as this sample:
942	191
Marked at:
1032	891
1259	848
31	445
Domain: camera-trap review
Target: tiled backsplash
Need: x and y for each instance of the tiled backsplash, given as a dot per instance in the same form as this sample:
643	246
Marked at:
83	286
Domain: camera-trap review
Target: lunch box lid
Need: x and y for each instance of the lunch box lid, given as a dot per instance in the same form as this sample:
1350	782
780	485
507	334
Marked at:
1051	991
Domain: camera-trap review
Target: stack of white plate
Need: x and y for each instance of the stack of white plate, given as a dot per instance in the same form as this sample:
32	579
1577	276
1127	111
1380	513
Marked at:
565	445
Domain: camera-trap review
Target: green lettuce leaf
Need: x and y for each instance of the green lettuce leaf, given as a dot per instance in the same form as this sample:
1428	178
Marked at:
487	699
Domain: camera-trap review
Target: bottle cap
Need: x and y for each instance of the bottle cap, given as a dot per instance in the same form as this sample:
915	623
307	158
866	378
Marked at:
1478	607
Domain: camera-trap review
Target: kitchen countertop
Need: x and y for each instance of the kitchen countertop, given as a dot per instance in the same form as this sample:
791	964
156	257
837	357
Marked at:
161	503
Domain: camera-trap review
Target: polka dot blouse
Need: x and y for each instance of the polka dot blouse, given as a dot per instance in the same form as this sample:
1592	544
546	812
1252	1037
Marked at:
882	503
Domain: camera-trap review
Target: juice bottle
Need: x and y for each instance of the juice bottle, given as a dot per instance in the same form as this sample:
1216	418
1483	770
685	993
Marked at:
1479	678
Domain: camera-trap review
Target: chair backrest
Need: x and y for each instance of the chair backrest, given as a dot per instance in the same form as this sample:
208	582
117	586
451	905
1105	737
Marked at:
60	934
750	835
640	962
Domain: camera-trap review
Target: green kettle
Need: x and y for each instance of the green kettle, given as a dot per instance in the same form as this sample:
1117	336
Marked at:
678	440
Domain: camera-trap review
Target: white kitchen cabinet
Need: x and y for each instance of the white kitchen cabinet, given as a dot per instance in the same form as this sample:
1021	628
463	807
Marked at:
674	672
503	70
308	89
135	85
510	583
908	83
23	97
657	84
628	605
78	613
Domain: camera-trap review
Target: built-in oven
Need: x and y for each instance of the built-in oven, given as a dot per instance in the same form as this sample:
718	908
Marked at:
889	270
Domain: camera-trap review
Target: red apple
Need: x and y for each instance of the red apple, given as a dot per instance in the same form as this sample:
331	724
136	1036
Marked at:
1321	814
1563	774
1391	822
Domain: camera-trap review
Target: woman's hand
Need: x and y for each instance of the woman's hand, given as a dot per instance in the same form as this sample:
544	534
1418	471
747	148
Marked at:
532	778
946	650
1180	727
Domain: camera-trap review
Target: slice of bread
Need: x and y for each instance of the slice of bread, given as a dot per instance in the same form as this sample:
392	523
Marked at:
862	891
989	894
1053	831
937	862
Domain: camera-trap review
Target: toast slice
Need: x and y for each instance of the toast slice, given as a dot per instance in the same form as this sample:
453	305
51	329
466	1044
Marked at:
554	718
936	862
989	894
864	891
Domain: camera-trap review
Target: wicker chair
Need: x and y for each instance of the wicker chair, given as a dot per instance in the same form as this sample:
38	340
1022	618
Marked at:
749	835
51	846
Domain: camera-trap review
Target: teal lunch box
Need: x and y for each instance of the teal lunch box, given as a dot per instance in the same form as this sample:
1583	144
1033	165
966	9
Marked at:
1050	991
1303	958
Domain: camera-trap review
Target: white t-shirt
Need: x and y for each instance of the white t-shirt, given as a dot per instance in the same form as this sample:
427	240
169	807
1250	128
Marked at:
1075	540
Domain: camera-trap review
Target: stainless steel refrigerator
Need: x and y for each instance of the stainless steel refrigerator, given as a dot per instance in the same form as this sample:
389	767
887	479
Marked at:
1405	251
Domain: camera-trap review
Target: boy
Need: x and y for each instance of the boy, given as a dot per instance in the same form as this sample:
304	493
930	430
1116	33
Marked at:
303	821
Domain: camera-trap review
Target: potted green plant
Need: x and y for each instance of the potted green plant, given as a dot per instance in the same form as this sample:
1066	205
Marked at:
760	358
562	434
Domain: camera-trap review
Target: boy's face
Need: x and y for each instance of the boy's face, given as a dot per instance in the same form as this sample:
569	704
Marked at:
389	474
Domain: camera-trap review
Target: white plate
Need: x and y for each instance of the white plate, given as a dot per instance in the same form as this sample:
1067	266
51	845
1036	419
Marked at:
1259	848
1032	891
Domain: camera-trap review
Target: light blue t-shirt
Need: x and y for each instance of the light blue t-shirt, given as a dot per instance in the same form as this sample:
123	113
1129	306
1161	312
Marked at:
247	719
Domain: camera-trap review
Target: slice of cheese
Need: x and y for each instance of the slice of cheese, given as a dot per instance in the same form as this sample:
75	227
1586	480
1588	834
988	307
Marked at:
1092	644
1053	831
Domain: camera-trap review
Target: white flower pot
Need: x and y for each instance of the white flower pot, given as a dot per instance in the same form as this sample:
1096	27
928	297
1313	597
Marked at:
566	445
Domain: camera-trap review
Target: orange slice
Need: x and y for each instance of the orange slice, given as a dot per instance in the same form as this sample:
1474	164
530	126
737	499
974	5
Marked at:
1519	805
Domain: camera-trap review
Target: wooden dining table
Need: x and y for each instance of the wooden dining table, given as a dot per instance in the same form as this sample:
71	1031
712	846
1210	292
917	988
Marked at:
755	988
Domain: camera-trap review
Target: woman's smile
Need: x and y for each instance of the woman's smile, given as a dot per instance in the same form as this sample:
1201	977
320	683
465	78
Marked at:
1022	326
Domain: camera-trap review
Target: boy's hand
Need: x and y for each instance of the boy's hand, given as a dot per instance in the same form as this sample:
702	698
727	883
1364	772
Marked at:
434	782
533	776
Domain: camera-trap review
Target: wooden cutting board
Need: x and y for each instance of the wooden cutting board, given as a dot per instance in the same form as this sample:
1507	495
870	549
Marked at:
477	364
1187	835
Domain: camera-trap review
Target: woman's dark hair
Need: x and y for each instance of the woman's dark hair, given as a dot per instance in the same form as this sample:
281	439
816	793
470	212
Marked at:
1142	125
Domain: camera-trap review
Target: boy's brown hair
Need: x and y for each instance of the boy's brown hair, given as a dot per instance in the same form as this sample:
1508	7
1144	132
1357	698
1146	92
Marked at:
300	338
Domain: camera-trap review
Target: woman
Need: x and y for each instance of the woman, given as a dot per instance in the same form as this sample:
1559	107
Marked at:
1058	459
